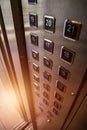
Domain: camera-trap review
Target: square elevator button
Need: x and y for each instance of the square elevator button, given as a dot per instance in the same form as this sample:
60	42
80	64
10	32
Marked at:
33	18
64	73
34	39
48	45
32	1
67	55
72	29
49	23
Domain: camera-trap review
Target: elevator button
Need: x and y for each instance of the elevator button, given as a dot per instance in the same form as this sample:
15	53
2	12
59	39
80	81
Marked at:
49	23
50	114
72	29
36	67
57	105
58	97
67	55
36	86
33	19
45	94
32	1
34	39
64	73
48	45
46	86
48	62
35	55
60	86
36	93
45	102
47	76
36	77
55	111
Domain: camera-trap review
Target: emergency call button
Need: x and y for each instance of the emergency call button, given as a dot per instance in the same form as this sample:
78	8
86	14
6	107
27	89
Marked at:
72	29
49	23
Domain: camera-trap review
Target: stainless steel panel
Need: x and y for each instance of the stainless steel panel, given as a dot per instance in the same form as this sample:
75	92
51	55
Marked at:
60	10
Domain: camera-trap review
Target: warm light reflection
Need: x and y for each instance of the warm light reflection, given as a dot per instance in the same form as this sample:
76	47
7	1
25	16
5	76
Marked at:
9	113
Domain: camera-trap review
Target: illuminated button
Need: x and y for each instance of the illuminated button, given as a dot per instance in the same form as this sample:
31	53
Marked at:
57	105
45	102
34	39
72	29
36	77
48	45
47	76
49	23
48	62
36	67
40	105
45	94
60	86
55	111
58	97
35	55
32	1
64	73
33	19
47	87
67	55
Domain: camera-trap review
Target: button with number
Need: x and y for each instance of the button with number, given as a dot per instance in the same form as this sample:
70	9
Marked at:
60	86
55	111
34	39
48	45
57	105
49	23
36	77
32	1
72	29
48	62
36	86
58	97
47	76
64	73
45	94
36	67
45	102
35	55
33	19
46	86
67	55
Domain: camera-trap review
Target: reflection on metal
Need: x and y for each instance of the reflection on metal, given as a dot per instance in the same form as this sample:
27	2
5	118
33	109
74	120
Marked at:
21	44
11	70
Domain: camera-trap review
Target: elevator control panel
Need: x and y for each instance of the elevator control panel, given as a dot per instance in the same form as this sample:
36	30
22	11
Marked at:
53	40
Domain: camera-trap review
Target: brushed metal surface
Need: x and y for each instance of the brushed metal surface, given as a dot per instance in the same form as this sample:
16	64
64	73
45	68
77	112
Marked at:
61	10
